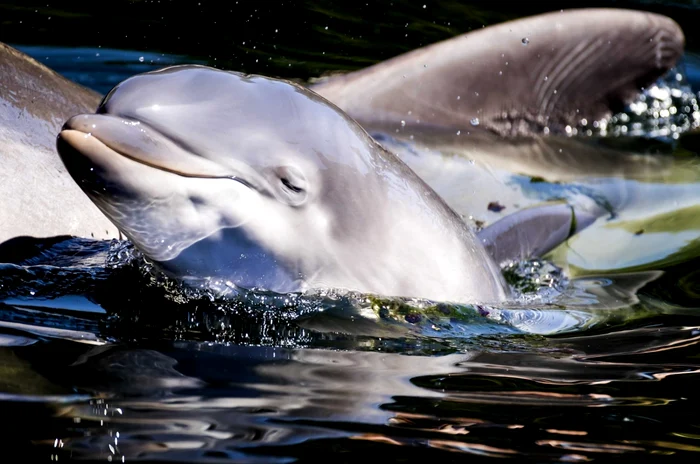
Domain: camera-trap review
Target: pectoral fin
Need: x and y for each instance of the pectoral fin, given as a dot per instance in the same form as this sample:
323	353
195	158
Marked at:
533	232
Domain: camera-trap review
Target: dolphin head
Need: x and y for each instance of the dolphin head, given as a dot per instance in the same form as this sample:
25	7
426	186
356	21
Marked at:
260	182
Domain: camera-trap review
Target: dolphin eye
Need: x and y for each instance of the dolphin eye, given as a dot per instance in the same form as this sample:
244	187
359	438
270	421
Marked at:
292	185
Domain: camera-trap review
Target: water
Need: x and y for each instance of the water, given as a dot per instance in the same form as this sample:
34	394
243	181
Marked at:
103	359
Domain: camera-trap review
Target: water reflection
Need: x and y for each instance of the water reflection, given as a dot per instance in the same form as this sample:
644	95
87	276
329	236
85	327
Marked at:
619	388
205	402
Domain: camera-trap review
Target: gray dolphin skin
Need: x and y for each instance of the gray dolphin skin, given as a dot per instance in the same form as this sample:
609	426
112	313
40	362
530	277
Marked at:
37	196
527	76
265	184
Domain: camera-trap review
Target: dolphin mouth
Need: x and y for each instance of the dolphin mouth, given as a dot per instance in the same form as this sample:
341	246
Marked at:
102	135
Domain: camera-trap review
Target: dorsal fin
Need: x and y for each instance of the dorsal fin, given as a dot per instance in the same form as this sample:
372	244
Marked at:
517	77
533	232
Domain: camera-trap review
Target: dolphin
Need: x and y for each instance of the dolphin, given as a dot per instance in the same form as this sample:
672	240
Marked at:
37	196
264	184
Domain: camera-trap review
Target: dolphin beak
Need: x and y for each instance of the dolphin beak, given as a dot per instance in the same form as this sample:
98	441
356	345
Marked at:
90	141
96	135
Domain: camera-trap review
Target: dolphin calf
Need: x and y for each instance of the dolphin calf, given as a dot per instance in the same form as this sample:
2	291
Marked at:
37	196
267	185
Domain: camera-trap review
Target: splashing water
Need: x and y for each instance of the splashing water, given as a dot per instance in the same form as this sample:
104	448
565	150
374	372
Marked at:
141	302
665	110
127	298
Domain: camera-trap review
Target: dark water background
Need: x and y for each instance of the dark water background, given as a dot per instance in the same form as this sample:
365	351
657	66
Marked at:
269	380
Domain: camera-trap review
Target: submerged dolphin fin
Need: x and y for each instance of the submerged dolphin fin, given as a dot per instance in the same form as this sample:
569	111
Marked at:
518	77
534	231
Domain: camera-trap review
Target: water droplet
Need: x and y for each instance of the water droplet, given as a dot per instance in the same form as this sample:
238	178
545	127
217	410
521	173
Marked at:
546	78
141	59
525	41
459	132
424	6
403	123
474	122
458	97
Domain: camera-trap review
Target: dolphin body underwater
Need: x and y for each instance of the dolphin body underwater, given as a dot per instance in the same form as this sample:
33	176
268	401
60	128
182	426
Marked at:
266	184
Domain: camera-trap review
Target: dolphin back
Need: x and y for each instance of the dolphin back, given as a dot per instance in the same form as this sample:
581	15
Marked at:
518	77
37	196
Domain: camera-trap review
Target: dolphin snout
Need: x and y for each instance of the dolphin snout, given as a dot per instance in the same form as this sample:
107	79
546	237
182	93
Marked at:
78	122
138	141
